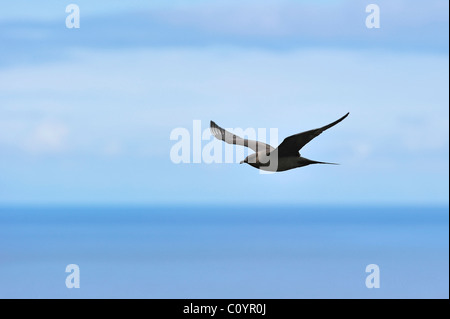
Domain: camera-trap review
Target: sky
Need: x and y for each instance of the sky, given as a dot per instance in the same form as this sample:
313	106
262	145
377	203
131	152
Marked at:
86	114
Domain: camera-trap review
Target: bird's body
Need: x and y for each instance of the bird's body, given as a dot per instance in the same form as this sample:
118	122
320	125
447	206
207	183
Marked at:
284	163
285	157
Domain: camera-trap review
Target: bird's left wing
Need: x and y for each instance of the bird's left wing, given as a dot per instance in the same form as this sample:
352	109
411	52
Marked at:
231	138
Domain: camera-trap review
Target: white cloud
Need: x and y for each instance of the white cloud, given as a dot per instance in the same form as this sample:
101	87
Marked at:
47	137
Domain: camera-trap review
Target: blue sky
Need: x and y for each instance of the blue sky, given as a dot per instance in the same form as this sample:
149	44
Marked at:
86	114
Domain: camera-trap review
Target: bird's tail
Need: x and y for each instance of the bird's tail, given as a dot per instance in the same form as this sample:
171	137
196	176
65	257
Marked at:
317	162
302	161
328	163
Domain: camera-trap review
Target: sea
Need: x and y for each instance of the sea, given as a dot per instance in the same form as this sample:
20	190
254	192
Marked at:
224	251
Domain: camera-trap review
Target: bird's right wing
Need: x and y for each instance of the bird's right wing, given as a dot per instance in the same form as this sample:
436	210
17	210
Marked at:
230	138
291	145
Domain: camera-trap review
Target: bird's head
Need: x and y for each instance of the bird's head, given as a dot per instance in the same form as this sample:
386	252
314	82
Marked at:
251	159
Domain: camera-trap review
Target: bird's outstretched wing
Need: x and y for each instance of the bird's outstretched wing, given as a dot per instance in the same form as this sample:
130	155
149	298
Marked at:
230	138
291	145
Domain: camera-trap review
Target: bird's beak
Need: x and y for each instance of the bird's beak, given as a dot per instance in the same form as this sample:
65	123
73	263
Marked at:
242	162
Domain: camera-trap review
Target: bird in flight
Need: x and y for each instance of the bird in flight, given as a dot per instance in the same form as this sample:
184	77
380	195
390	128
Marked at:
285	157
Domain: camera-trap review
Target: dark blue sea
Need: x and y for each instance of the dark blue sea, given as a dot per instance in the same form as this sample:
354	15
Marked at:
224	251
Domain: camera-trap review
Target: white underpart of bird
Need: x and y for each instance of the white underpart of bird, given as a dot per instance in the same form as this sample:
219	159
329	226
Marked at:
285	157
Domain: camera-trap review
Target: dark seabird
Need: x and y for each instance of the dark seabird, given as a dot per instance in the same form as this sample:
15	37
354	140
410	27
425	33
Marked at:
286	156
